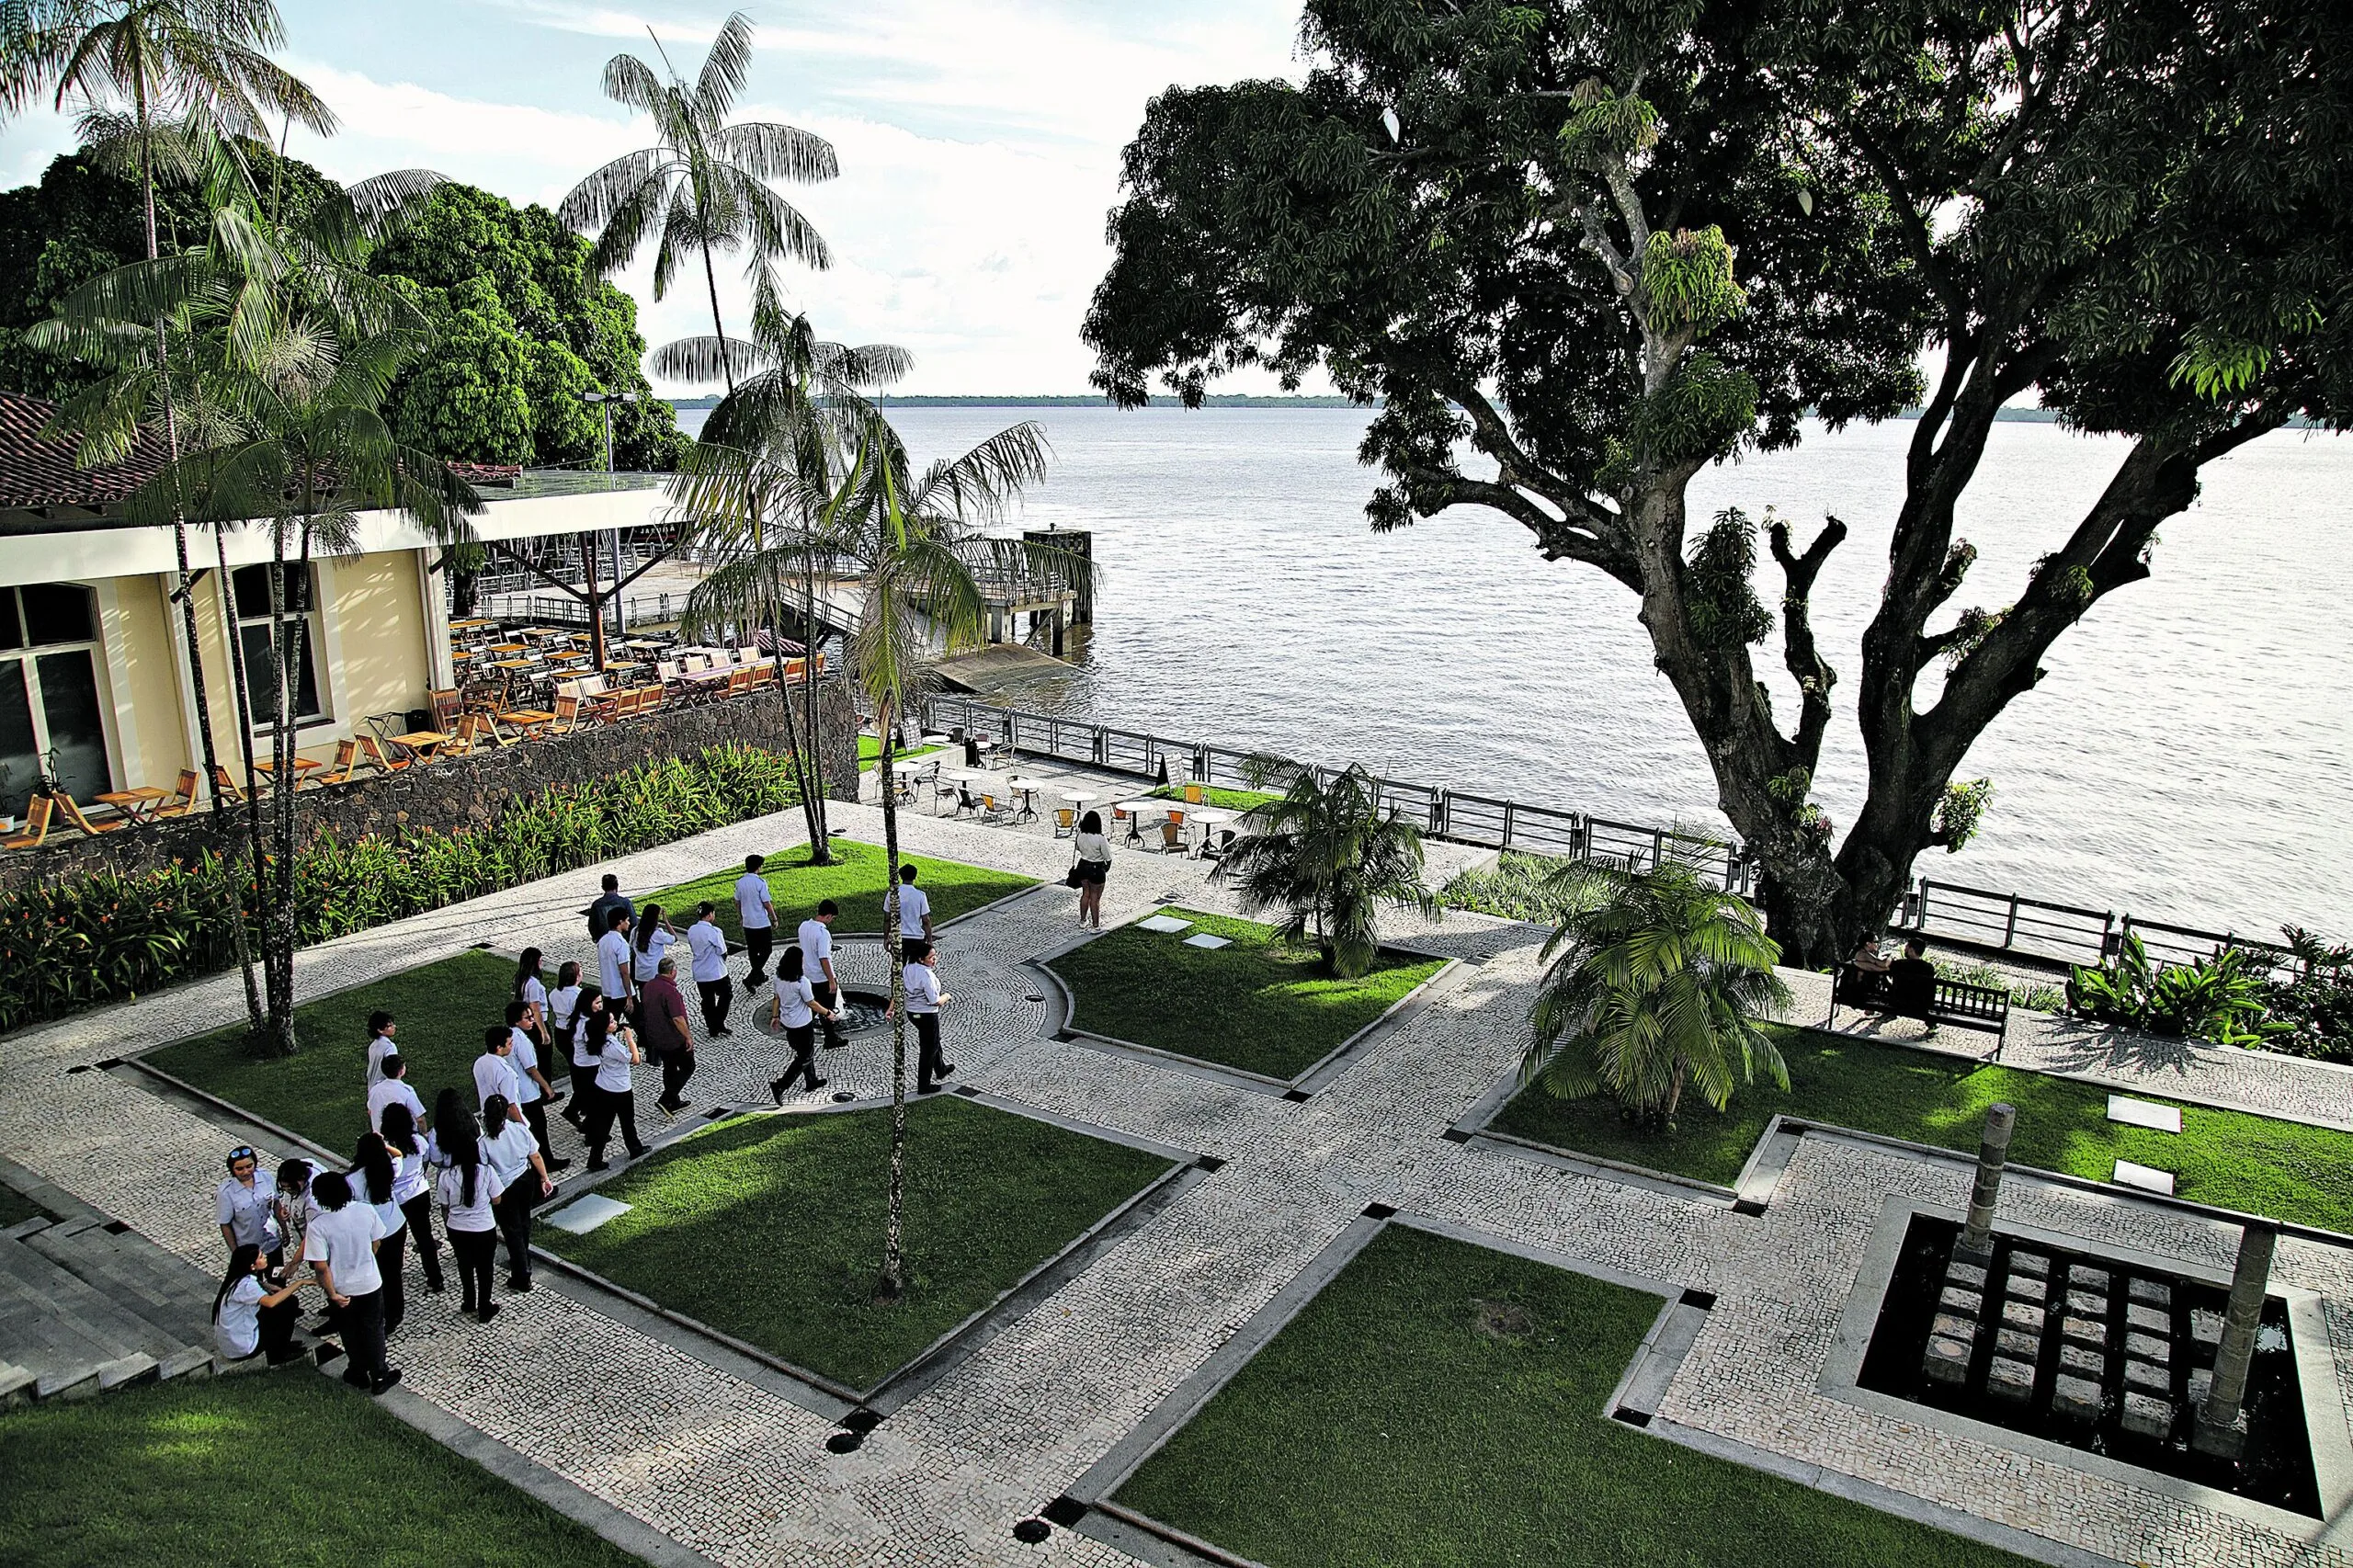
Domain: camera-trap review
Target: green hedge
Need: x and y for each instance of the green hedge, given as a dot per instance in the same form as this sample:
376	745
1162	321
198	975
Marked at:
70	945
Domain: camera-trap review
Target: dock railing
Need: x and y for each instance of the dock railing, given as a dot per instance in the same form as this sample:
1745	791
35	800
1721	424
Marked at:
1997	924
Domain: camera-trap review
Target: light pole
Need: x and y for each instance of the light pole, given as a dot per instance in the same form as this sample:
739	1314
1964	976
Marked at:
604	401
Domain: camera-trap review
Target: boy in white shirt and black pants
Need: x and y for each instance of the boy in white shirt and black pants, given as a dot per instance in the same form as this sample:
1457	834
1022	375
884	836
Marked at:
707	945
341	1250
756	911
817	963
924	1000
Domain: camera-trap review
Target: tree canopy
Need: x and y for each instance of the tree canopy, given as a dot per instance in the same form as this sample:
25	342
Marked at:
1580	251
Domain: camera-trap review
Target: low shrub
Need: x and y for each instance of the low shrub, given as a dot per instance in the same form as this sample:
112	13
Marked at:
70	945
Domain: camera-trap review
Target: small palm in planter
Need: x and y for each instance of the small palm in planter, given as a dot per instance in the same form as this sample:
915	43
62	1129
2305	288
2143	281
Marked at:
1656	983
1328	854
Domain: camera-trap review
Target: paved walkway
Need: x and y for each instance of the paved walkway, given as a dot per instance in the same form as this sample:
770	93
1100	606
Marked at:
742	1475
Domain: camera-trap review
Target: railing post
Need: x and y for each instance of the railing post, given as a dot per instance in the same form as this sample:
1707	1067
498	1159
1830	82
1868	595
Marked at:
2011	931
1441	820
1506	843
2108	940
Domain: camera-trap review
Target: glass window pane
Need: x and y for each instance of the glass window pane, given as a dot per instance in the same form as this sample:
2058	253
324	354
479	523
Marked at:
19	755
11	635
261	671
252	592
77	736
58	612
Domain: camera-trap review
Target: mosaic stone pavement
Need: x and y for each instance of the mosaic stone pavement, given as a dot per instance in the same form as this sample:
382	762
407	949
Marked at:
741	1475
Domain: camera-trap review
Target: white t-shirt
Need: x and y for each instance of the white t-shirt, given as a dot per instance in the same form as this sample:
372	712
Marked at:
495	1074
387	1212
795	1000
346	1242
246	1210
564	1005
752	897
379	1047
584	1058
457	1213
612	1071
524	1057
392	1091
509	1153
408	1173
816	946
708	943
913	904
236	1333
923	988
612	964
1093	847
648	959
535	994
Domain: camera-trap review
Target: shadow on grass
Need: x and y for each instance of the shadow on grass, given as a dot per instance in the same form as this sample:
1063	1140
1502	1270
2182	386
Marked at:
855	880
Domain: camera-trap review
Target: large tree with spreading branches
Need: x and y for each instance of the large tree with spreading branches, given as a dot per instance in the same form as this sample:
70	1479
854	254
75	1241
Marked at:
1578	251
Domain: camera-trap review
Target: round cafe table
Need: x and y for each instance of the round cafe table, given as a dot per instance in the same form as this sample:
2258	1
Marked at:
1135	810
1208	817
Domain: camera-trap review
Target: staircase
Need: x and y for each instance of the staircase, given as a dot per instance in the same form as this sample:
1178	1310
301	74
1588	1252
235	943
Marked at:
87	1304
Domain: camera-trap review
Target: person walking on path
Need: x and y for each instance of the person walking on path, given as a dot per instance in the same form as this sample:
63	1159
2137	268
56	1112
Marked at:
244	1204
610	902
531	986
248	1317
375	1181
564	1025
914	909
614	962
413	1190
616	1051
393	1090
532	1085
469	1190
925	998
586	1097
341	1251
796	1011
756	911
494	1074
707	948
650	939
817	963
662	1020
381	1030
1093	867
522	1177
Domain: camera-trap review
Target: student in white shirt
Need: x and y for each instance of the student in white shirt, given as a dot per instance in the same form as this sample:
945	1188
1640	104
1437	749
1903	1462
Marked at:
532	1088
616	1051
817	963
585	1098
248	1316
613	965
495	1075
755	912
413	1191
375	1179
925	999
391	1091
469	1189
1092	866
795	1011
381	1030
915	908
290	1207
341	1250
531	986
243	1203
650	940
707	944
522	1175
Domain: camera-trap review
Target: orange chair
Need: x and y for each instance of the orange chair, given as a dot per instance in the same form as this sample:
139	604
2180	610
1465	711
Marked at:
36	824
182	798
73	815
347	761
374	751
225	787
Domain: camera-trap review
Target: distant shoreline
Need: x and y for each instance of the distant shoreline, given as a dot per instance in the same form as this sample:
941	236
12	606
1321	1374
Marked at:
1226	399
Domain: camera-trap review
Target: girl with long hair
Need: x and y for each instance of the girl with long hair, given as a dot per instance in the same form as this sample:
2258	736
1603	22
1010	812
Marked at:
248	1316
469	1189
652	941
375	1181
531	987
412	1189
513	1155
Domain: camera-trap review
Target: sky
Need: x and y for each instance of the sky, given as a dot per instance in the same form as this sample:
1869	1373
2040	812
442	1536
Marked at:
979	142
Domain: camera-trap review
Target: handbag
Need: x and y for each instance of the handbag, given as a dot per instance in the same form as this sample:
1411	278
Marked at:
1074	876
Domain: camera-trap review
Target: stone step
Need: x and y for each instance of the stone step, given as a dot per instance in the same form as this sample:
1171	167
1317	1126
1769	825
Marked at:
72	1333
137	1275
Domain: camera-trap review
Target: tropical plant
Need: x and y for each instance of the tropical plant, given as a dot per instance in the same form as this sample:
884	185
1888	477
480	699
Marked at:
2315	1001
1655	981
2220	997
703	187
1328	852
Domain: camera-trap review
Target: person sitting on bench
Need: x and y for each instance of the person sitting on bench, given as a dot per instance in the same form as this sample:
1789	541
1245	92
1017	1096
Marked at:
1912	984
1869	969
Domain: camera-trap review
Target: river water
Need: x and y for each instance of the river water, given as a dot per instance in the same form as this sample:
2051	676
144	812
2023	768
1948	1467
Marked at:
2185	757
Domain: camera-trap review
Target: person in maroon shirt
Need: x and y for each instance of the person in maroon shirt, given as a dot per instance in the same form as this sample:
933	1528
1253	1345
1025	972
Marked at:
661	1023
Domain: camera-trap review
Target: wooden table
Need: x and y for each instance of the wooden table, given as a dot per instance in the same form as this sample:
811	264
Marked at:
136	804
506	647
422	742
302	768
470	625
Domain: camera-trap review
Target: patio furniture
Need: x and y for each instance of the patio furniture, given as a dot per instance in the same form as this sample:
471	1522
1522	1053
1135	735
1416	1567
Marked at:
1172	835
1066	822
224	788
37	815
569	718
74	814
138	805
445	705
182	799
525	722
421	745
303	766
347	762
385	762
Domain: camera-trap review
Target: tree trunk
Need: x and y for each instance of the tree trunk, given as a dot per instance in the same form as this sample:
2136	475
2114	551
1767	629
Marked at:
726	362
802	771
822	828
893	1283
276	882
226	591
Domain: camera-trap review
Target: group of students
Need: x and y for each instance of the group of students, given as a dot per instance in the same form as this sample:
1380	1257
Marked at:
487	1169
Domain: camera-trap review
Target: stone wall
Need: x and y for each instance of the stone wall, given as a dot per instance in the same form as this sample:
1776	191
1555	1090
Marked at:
465	791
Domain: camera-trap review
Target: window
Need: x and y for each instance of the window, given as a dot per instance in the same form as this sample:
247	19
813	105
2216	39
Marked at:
252	584
52	724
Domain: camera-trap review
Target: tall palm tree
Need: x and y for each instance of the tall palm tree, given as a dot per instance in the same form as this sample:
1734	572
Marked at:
703	185
1328	854
750	488
1655	981
187	72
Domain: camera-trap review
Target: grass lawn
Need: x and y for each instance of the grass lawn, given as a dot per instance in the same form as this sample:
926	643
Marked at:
855	880
2288	1171
288	1469
770	1228
1386	1424
1257	1006
322	1092
870	752
1212	795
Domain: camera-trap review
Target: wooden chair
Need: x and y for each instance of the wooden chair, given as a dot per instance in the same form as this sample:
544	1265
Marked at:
225	787
73	815
36	815
347	762
182	798
740	681
568	715
374	751
1172	835
446	707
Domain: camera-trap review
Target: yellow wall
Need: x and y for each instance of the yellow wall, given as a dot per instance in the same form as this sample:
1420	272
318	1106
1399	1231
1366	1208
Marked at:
377	635
139	660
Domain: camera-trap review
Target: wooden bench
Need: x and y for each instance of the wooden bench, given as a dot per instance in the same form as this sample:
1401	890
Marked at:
1985	1008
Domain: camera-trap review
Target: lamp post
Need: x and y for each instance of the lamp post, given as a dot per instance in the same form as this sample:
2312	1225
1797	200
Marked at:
604	401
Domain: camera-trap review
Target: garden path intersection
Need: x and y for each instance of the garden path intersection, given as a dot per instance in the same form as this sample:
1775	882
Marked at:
646	1420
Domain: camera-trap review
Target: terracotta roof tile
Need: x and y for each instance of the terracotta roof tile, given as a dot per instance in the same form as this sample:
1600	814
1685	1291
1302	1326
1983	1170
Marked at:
38	470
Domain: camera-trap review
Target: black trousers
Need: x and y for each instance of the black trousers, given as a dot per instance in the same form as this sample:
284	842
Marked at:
718	1000
419	1212
392	1261
831	996
584	1096
362	1324
513	1211
278	1328
803	1041
759	941
676	1067
535	1116
475	1251
612	1107
929	1061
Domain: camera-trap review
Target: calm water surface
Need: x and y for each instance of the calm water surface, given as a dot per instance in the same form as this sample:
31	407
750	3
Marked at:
2186	755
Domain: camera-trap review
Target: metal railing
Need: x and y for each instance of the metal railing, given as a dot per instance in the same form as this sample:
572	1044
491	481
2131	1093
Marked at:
2063	933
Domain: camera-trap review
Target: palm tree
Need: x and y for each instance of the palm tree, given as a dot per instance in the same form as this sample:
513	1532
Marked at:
749	489
702	187
1328	854
1654	981
189	71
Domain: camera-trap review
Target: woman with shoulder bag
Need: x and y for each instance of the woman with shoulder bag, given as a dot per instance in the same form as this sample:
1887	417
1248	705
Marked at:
1091	870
